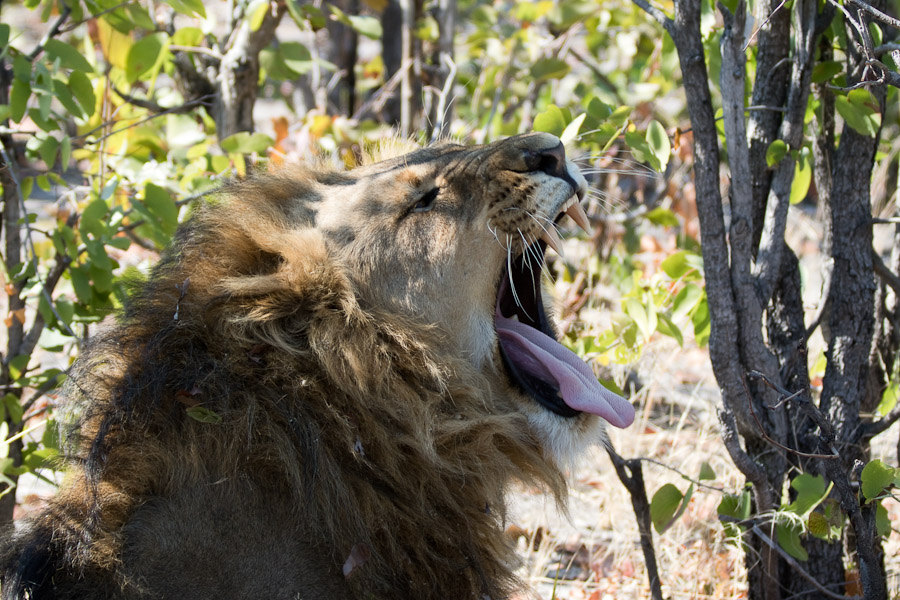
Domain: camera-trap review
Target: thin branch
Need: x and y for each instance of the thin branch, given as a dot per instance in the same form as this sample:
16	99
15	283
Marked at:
877	14
796	566
94	16
870	430
660	17
176	109
632	477
50	34
885	273
786	396
196	50
47	285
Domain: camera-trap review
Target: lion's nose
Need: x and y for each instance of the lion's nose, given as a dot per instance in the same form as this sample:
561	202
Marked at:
551	161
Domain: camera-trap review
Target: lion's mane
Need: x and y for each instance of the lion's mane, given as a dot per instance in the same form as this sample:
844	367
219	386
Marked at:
251	353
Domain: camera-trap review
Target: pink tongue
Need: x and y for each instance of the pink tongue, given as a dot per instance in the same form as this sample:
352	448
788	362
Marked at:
548	360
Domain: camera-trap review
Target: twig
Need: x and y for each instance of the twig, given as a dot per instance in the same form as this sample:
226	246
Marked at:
682	475
442	97
885	273
176	109
785	396
877	13
632	477
50	34
94	16
796	566
828	269
661	18
870	430
196	50
47	285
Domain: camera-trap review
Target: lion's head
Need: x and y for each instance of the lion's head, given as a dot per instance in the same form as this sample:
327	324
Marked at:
374	347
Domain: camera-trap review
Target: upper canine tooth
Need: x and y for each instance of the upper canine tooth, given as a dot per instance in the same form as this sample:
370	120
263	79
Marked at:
580	217
552	238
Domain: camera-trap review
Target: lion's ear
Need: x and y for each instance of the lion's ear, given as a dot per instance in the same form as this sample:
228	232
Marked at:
301	272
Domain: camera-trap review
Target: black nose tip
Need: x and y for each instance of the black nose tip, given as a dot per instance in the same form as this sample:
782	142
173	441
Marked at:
551	161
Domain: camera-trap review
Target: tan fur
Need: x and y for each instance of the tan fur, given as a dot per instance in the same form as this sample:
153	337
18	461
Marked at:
347	345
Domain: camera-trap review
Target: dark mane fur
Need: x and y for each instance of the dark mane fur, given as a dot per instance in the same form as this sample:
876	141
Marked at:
365	430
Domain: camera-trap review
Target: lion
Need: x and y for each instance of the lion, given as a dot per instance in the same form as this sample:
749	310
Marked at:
323	390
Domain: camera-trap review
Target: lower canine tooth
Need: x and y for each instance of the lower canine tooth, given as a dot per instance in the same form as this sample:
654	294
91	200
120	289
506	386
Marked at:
580	217
552	238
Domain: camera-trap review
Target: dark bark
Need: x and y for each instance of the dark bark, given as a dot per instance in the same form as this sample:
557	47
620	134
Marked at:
342	52
631	475
441	112
769	90
392	54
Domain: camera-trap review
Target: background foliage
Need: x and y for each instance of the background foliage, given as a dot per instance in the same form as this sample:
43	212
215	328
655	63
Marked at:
117	115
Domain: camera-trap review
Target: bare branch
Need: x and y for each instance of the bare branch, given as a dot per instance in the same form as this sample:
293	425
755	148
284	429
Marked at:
885	273
657	14
632	477
51	33
796	566
887	20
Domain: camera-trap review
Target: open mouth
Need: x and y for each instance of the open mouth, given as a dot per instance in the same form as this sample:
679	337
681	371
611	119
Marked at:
551	374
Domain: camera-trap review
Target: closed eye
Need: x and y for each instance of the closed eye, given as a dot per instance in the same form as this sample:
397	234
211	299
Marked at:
426	202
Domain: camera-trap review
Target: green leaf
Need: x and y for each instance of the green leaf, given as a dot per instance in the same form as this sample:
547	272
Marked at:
93	218
18	365
203	414
552	120
256	13
144	56
817	525
663	505
676	265
775	152
802	177
369	27
644	316
788	535
81	88
641	149
666	327
4	36
658	140
48	150
187	36
888	399
825	71
13	407
875	477
811	490
18	99
69	57
706	472
296	57
662	216
700	319
858	115
549	68
571	131
188	7
162	207
245	143
685	300
882	521
81	283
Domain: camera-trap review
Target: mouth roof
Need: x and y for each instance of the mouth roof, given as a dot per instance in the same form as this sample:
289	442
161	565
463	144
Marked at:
540	366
